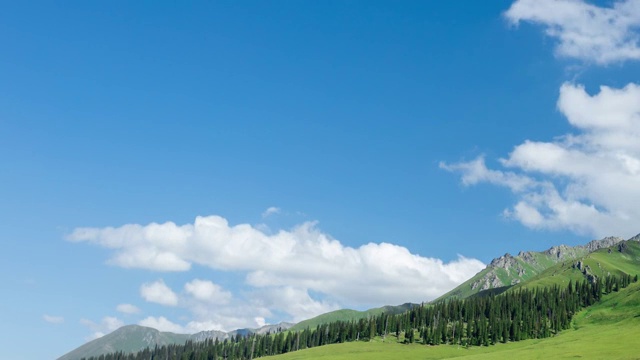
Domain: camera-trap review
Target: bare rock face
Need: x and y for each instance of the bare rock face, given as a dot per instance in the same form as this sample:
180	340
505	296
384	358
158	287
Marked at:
527	256
622	247
578	265
635	238
559	252
505	261
490	281
604	243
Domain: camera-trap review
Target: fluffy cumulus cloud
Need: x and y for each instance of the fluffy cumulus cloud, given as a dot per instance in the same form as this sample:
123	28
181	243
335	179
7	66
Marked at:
585	31
208	292
302	272
158	292
303	258
587	182
105	326
127	309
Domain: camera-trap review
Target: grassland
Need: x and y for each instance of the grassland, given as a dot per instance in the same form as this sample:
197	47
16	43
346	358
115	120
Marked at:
608	330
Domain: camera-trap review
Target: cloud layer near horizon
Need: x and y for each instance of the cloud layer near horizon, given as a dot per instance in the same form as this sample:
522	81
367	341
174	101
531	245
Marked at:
588	182
282	269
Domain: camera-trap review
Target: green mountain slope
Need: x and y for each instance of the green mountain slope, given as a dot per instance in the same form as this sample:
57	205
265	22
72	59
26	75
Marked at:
507	270
607	330
130	338
349	315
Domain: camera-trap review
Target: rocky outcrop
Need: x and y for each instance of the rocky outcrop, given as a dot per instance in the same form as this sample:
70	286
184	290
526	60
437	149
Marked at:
635	238
601	244
527	256
511	265
560	252
585	270
622	247
505	261
490	281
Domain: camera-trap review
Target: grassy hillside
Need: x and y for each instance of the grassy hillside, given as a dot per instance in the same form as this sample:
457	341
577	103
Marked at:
348	315
130	338
608	330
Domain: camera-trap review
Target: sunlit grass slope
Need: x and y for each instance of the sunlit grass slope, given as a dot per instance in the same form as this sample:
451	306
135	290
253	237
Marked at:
608	330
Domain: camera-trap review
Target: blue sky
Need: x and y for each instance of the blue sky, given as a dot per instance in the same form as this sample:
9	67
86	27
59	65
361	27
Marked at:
398	146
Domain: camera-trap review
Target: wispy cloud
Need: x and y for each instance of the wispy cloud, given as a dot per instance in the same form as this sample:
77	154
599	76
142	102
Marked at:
271	211
584	31
53	319
100	329
127	309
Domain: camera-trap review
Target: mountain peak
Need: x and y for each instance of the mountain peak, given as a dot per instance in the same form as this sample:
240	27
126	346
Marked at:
505	261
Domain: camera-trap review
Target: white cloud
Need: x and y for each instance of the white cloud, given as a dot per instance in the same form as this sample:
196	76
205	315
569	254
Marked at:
53	319
150	245
476	171
282	271
585	31
303	258
587	182
271	211
127	309
158	292
206	291
295	301
163	324
260	321
211	308
105	326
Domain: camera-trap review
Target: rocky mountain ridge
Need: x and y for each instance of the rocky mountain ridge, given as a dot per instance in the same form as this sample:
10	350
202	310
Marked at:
508	270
